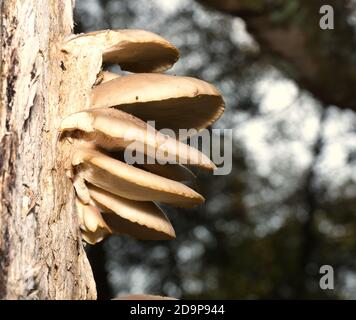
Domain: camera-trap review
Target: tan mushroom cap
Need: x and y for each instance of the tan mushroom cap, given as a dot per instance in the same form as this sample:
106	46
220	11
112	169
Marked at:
139	219
114	130
134	50
143	297
94	228
93	237
129	182
172	102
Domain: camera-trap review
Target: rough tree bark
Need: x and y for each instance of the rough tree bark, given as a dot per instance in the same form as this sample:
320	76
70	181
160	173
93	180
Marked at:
321	61
41	252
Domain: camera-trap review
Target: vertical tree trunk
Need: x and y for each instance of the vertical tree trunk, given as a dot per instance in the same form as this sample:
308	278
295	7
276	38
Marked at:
41	252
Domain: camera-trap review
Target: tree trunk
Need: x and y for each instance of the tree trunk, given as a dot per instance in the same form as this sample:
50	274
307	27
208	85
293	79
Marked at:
41	252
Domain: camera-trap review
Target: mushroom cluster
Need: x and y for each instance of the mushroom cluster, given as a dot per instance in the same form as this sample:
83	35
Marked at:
112	195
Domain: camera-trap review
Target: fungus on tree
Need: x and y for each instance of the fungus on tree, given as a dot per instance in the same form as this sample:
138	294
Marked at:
172	102
115	196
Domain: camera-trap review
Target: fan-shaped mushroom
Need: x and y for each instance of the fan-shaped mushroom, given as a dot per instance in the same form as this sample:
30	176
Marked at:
172	102
112	195
133	50
129	182
114	129
141	220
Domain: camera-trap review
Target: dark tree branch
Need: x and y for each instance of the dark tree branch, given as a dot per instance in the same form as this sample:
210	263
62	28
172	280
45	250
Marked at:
310	198
320	61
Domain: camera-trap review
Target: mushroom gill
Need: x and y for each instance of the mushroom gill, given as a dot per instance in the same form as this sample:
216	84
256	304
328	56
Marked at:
130	182
115	196
134	50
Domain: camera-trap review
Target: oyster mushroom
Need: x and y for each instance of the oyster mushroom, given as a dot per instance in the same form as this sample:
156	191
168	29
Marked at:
172	102
114	130
130	182
112	195
139	219
134	50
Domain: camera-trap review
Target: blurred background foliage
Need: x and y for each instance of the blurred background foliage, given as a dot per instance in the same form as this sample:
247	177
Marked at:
289	204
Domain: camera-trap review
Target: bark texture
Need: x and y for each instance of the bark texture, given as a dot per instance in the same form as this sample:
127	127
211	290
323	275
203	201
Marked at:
41	252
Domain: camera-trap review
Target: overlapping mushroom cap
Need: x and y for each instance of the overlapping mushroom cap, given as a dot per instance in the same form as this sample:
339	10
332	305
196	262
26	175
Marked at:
172	102
140	219
114	129
134	50
115	196
130	182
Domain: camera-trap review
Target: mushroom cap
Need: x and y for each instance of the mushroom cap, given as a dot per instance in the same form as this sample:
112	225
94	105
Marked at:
134	50
114	129
129	182
143	297
93	237
172	102
94	228
139	219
